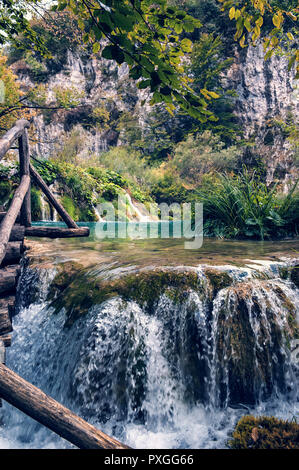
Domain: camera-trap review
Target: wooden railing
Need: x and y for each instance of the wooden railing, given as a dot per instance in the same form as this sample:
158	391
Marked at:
22	199
13	388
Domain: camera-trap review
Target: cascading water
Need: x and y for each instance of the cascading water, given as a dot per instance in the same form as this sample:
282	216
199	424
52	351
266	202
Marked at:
176	374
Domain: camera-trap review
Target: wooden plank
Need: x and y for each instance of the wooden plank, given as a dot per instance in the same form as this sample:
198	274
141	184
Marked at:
56	232
17	233
60	209
10	218
39	406
5	323
24	155
14	133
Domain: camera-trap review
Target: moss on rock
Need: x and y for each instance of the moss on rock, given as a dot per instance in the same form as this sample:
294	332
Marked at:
145	288
66	273
265	433
218	279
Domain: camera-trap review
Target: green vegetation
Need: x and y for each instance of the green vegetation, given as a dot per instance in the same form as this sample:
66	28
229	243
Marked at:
265	433
243	206
83	291
200	155
188	147
82	189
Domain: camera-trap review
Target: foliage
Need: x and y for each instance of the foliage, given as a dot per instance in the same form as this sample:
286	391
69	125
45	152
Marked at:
169	189
13	20
83	188
5	191
244	207
265	433
39	94
36	207
59	32
249	17
37	69
101	116
147	38
68	97
129	164
11	94
202	154
207	67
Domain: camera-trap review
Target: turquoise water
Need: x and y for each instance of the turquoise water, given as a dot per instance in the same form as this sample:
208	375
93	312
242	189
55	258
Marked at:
159	251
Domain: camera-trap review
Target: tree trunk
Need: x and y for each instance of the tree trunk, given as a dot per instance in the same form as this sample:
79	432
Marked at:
60	209
7	140
57	232
12	213
33	402
24	154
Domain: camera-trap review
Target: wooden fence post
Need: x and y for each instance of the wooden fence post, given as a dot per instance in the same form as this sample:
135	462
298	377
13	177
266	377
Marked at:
24	154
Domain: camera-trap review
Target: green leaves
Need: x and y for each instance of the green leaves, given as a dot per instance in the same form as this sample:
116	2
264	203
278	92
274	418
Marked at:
250	15
114	53
147	38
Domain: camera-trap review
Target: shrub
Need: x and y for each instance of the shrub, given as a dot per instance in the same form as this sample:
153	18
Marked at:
265	433
198	155
244	207
68	97
129	164
168	189
5	192
36	207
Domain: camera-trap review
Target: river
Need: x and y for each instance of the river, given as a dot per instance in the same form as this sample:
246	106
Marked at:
159	346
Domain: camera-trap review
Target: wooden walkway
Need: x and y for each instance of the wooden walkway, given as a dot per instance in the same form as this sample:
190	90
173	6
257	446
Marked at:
15	225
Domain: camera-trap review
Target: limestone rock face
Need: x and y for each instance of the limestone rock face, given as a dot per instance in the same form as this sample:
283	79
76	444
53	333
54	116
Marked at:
266	90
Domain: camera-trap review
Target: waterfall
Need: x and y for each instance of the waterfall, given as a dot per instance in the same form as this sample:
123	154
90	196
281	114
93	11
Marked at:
178	374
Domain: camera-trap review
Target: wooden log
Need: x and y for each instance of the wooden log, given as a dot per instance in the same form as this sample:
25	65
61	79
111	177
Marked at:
60	209
14	133
2	352
8	282
17	233
33	402
8	302
5	323
10	218
24	155
6	339
56	232
13	254
3	214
